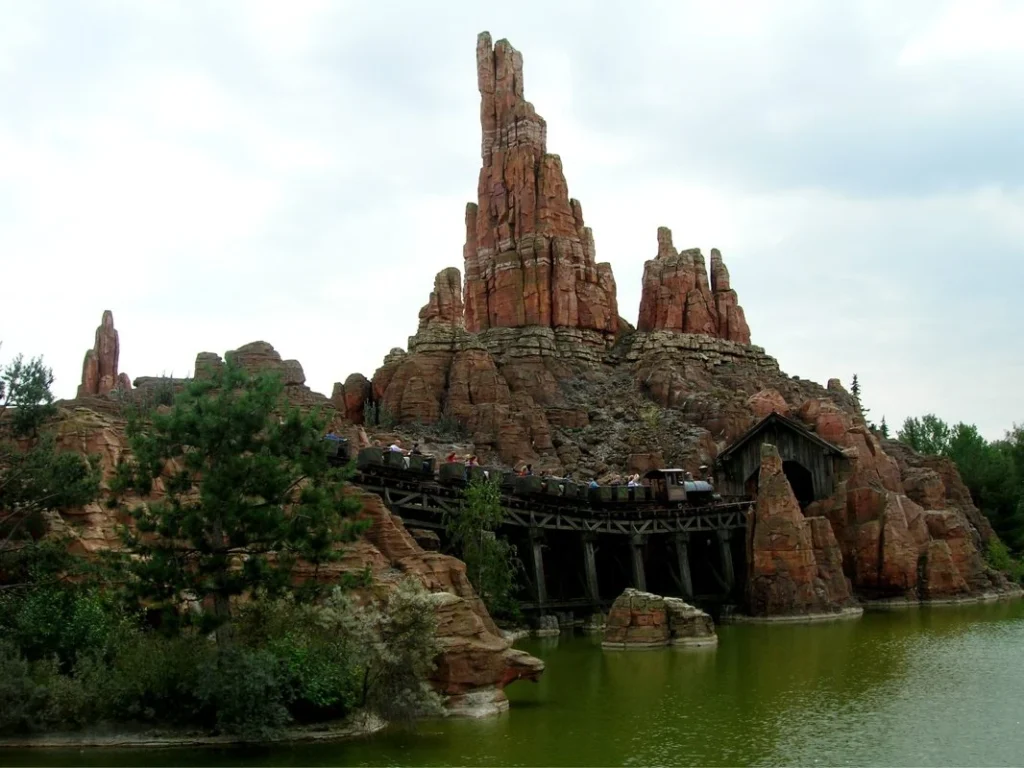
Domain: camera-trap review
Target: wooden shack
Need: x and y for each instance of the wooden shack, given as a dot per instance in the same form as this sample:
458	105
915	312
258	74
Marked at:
811	464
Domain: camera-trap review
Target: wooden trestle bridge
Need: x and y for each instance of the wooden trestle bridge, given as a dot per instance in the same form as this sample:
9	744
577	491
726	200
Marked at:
581	558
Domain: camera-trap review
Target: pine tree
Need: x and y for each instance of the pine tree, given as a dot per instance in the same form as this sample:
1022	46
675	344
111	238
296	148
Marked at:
34	477
883	428
248	493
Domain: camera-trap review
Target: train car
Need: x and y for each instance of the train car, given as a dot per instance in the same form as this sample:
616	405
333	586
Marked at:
673	486
665	487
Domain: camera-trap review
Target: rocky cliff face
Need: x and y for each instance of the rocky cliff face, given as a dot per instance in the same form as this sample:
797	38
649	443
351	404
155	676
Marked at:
677	295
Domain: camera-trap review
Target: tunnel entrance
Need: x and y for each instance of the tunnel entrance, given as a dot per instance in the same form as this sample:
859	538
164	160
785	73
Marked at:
800	481
799	477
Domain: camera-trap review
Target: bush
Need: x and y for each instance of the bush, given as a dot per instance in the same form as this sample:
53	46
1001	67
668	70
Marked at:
60	621
999	557
448	427
23	696
247	691
150	678
324	677
395	648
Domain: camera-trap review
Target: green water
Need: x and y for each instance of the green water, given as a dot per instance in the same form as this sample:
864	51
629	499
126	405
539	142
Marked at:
940	686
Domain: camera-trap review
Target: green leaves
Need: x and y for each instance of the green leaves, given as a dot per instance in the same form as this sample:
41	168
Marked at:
491	562
992	471
25	389
247	493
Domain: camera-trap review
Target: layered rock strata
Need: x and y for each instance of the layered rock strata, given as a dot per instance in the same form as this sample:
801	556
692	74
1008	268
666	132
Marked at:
641	620
100	373
678	296
529	257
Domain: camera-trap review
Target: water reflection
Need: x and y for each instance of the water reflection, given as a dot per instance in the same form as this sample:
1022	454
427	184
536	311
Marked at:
924	687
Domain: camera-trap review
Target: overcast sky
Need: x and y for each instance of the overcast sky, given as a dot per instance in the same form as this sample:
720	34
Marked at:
220	172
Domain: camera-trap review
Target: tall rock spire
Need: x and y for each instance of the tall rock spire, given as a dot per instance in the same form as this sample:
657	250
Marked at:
99	368
678	296
529	258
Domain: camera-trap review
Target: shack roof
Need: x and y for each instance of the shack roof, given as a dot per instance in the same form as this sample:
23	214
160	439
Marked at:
660	472
777	418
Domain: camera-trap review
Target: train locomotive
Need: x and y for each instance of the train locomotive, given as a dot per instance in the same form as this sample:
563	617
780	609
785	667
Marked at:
672	488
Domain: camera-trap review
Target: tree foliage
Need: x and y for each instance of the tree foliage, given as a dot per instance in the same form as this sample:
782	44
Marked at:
993	471
34	477
25	391
492	564
247	493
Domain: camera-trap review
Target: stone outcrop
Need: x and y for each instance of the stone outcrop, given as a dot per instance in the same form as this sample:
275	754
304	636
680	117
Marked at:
99	369
261	357
640	620
529	258
351	397
444	308
794	563
476	662
678	296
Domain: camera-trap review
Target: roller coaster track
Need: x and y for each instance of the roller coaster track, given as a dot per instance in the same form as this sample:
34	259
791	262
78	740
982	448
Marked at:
426	502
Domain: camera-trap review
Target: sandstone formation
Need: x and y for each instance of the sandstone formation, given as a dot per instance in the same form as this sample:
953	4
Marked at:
530	260
677	295
99	369
640	620
794	563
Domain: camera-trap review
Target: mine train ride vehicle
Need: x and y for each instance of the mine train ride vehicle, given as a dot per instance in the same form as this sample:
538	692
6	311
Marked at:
665	488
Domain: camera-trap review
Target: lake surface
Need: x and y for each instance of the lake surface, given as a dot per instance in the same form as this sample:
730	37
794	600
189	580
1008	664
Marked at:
929	687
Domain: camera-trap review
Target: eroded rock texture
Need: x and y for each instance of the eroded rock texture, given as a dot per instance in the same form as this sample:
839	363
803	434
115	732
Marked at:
639	620
794	563
99	369
677	295
529	258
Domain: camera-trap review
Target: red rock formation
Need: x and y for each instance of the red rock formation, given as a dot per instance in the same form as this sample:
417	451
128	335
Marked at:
99	369
445	306
677	295
640	620
261	357
792	561
530	260
766	402
350	398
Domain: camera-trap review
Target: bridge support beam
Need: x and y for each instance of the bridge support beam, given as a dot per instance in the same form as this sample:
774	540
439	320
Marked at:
540	587
590	568
682	542
637	548
725	554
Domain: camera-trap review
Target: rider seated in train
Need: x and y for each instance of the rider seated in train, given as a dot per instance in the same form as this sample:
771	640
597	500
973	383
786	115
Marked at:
451	458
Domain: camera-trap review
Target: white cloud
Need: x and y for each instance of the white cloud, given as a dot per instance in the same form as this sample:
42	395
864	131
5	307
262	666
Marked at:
298	172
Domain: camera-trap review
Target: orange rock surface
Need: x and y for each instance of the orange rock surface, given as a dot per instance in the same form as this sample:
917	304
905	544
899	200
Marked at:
529	258
99	369
678	296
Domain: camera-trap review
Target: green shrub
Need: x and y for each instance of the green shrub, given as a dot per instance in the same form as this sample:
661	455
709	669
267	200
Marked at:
59	620
246	690
151	678
999	557
23	696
